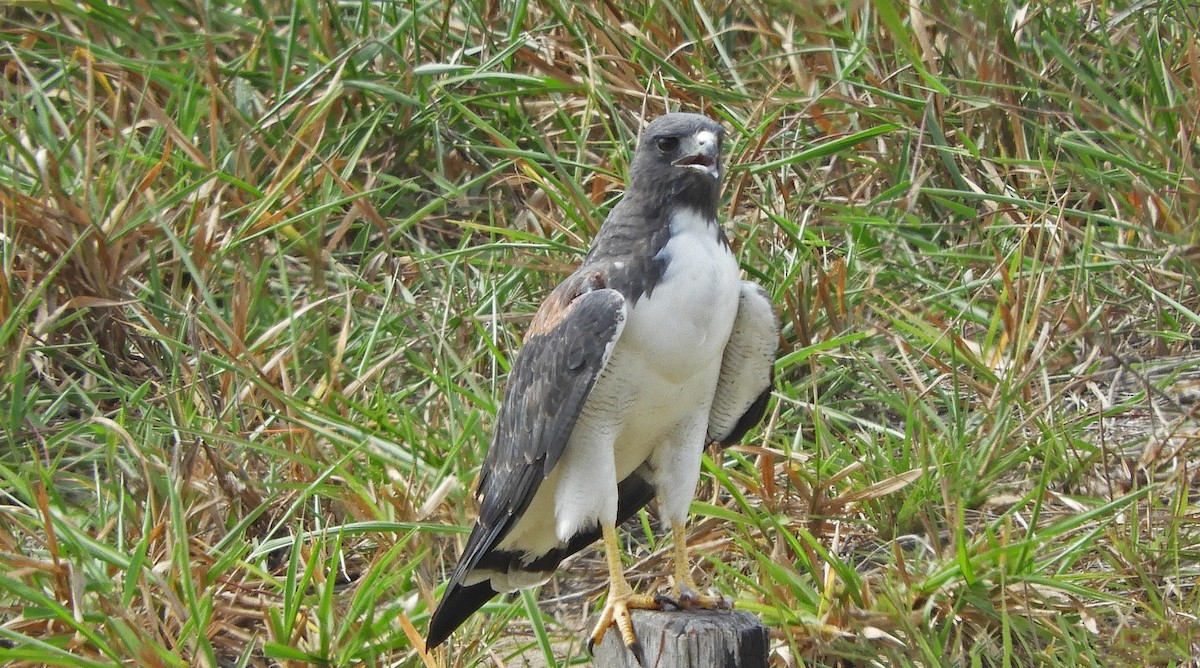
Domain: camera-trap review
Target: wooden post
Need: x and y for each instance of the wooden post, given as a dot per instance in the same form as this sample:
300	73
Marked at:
685	638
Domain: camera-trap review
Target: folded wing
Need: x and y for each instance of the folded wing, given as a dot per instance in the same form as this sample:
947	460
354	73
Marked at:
565	350
747	368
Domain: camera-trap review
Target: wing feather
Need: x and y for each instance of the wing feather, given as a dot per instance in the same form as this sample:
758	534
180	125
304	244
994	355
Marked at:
565	351
747	368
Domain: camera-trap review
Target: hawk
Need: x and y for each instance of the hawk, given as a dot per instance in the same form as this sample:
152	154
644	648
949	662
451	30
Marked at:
652	349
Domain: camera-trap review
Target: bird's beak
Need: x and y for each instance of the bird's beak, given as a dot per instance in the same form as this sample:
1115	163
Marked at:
702	152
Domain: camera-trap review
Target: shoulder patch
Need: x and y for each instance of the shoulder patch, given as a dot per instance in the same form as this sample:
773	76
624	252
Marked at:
562	300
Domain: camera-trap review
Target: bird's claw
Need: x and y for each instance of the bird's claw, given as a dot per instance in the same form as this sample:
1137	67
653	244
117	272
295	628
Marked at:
686	598
616	613
667	603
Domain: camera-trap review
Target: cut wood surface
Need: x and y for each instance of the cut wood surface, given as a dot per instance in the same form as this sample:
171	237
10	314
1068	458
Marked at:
711	639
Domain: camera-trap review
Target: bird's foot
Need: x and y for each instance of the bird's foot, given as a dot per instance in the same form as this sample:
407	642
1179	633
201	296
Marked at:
616	613
687	598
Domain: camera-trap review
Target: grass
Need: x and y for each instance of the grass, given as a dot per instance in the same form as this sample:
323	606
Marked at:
263	268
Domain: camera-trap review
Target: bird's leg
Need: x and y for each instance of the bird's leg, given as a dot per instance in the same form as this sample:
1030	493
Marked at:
621	598
686	592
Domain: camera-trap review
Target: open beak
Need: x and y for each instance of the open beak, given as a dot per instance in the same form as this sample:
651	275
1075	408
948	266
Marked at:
702	154
701	162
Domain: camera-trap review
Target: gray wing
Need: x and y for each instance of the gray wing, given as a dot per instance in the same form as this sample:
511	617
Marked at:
565	350
747	368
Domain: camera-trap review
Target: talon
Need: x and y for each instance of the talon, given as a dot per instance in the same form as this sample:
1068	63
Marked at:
621	600
690	600
665	602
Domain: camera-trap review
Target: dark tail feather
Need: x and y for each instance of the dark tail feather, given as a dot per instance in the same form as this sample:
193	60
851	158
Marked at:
457	604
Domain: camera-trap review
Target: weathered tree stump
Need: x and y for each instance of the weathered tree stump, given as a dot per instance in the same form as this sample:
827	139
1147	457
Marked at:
687	638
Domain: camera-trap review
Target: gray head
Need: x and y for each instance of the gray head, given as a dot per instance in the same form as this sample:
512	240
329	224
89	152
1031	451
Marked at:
679	155
677	166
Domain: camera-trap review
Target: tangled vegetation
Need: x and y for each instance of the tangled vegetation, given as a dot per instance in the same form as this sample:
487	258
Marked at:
263	267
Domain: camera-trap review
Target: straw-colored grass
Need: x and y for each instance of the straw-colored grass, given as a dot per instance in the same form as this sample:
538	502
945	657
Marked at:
263	267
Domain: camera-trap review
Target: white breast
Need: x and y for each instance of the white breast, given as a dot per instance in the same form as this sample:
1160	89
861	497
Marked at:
682	326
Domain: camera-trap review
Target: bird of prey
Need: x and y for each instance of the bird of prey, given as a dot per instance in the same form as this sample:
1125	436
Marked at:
652	349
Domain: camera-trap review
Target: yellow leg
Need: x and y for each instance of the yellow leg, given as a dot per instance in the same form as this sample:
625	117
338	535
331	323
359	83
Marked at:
621	598
686	592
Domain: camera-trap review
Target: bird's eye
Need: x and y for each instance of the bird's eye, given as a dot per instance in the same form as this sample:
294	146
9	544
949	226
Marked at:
668	144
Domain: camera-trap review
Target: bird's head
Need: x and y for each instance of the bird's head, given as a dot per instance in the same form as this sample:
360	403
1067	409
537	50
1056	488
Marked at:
679	152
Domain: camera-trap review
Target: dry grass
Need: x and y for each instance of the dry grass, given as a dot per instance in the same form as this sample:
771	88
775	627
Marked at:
262	268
